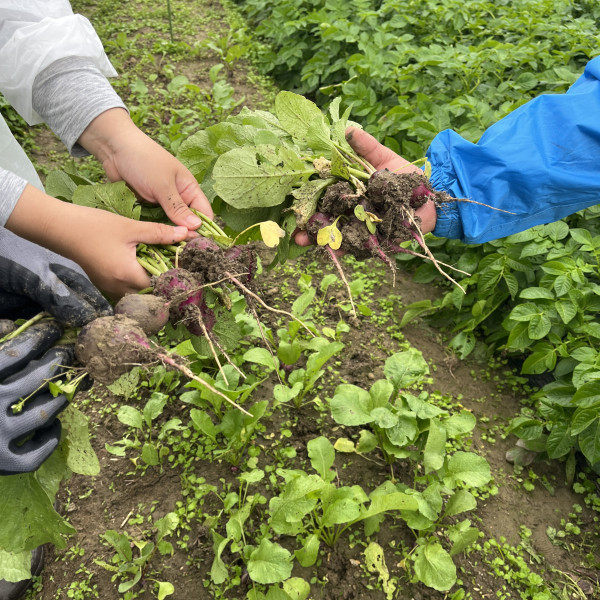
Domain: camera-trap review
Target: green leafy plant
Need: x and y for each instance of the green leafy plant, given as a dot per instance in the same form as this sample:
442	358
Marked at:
406	426
132	559
410	70
142	424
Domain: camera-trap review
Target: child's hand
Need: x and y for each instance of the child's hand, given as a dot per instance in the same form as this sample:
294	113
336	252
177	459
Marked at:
128	154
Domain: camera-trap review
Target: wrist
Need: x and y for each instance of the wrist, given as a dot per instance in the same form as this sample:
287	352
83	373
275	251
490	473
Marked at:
42	219
103	136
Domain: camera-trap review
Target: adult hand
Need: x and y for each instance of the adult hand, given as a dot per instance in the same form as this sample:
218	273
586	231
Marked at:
28	437
34	277
126	153
381	157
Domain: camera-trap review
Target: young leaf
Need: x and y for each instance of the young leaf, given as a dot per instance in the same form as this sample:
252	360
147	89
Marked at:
435	447
460	502
462	535
271	233
307	555
303	120
405	368
434	566
339	168
80	455
59	185
351	405
269	563
288	509
296	588
259	176
322	455
330	236
467	467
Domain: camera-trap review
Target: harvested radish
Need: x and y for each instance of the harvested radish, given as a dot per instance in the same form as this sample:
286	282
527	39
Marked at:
111	346
184	292
150	312
311	178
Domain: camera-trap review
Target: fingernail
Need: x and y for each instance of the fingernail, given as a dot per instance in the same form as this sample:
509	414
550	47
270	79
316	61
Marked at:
193	222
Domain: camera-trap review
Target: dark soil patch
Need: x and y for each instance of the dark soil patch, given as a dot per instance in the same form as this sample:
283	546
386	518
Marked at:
125	499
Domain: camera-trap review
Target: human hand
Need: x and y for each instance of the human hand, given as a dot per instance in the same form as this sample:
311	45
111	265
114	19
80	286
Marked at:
32	275
101	243
380	157
128	154
26	363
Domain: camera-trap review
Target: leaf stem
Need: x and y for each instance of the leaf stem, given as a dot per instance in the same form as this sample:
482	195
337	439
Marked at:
359	174
24	326
148	266
369	168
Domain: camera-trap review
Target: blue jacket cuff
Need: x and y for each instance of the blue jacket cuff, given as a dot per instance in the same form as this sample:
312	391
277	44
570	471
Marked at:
448	223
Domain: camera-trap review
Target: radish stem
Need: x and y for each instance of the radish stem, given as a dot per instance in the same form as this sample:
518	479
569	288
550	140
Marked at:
237	282
24	326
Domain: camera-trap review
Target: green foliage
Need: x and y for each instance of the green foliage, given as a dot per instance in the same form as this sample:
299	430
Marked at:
256	160
410	69
132	556
536	295
406	426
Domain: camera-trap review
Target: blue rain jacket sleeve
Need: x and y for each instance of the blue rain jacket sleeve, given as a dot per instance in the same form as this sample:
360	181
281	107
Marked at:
541	162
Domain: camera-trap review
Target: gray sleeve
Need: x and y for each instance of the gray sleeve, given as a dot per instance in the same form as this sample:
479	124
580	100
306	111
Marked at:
11	188
69	94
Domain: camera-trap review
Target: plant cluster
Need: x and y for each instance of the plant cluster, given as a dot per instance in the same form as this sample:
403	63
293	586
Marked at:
410	69
534	297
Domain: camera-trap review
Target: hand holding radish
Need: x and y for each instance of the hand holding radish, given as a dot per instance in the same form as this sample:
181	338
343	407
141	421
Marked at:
102	243
128	154
381	157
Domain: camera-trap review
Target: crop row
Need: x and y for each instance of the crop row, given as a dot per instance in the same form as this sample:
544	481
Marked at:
411	69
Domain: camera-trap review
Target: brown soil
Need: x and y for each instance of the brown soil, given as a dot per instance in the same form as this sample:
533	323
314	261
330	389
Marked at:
391	197
126	499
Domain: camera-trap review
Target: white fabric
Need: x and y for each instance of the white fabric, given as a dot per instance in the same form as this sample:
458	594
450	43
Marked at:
13	158
34	34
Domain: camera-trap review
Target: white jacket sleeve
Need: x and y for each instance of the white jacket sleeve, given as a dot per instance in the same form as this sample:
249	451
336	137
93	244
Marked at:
33	35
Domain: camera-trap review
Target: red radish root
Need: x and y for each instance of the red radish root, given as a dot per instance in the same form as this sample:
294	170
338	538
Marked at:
150	312
111	346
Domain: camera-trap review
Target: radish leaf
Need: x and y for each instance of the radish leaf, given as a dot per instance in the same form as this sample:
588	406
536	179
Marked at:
113	197
303	120
260	176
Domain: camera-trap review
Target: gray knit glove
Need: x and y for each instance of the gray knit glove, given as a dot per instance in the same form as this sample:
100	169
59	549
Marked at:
28	437
31	274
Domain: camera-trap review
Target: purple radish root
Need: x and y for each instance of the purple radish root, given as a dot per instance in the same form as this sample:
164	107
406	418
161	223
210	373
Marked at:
111	346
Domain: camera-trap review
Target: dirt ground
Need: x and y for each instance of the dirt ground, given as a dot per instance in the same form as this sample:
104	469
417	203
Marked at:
120	493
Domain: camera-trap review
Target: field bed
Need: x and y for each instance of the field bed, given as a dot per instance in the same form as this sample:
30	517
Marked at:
185	507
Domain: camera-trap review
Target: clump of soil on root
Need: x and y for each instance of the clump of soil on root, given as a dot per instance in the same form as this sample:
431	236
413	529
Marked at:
391	199
210	263
111	346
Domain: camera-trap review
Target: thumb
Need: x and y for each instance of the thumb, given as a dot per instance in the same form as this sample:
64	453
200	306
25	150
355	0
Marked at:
377	154
159	233
178	211
191	193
